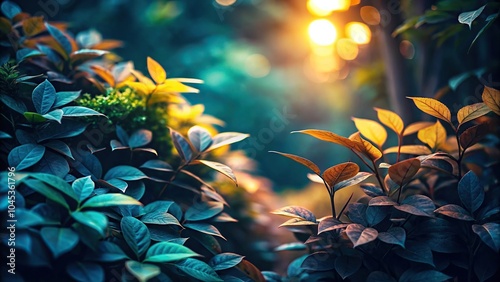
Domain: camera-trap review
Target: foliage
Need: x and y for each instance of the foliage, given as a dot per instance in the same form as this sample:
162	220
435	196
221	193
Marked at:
422	218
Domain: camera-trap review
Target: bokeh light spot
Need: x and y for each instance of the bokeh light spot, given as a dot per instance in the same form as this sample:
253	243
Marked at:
370	15
225	2
322	32
358	32
323	8
347	49
407	49
257	65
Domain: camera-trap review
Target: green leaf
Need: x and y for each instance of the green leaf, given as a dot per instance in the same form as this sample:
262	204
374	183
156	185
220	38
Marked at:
470	191
468	17
181	145
489	21
108	252
303	161
455	211
44	96
360	235
160	218
296	212
222	168
85	271
394	235
10	9
83	187
33	117
25	156
95	220
205	228
60	37
78	111
110	199
200	138
40	187
198	269
489	234
124	172
167	252
225	261
60	147
203	210
56	182
65	97
226	138
136	234
140	138
59	240
346	265
142	271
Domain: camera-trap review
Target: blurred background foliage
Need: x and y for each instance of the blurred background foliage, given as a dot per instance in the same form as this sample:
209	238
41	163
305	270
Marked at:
270	67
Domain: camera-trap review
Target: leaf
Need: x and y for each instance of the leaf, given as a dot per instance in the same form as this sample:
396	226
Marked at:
136	234
417	252
23	54
198	269
85	271
25	156
472	112
379	276
204	228
83	187
44	96
56	182
374	215
489	21
434	136
173	85
359	177
16	105
416	126
297	222
303	161
468	17
371	189
330	223
140	138
489	234
33	117
365	147
88	164
360	235
10	9
33	26
470	191
226	138
296	212
181	145
455	211
156	71
403	171
371	130
394	235
124	172
158	165
418	205
340	172
59	240
200	138
95	220
410	150
142	271
382	201
49	193
159	217
222	168
167	252
347	265
391	120
291	247
67	128
329	137
110	199
491	97
78	111
203	210
4	135
472	135
109	252
411	275
83	55
61	39
432	107
225	261
56	115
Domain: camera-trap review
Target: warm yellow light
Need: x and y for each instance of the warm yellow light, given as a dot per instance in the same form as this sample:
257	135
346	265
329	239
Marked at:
358	32
322	32
347	49
225	2
370	15
325	7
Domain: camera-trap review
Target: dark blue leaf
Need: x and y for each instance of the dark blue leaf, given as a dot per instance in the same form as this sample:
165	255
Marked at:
59	240
157	165
140	138
198	269
181	145
26	53
16	105
108	252
122	135
204	228
347	265
136	189
294	268
10	9
60	37
395	236
65	97
67	128
379	276
297	212
136	234
85	271
116	183
455	211
200	138
319	261
486	264
372	190
52	163
356	213
489	234
417	252
411	275
225	261
88	164
471	191
25	156
375	215
60	147
419	205
24	137
203	210
44	96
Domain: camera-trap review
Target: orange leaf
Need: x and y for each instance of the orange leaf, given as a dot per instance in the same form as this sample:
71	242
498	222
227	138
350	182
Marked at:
391	120
416	126
303	161
5	25
434	136
329	137
402	172
33	26
107	45
156	71
410	150
371	130
471	112
105	74
340	172
251	270
365	147
491	97
432	107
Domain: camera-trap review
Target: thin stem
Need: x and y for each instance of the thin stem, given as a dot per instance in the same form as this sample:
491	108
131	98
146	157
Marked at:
331	193
379	179
399	192
460	155
172	178
345	206
400	141
472	251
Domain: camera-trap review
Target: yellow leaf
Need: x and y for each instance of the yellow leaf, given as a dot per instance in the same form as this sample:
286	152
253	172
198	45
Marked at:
434	136
166	98
433	107
142	78
365	147
156	71
141	88
328	136
372	130
491	97
450	145
174	86
33	26
410	150
391	120
340	172
402	172
416	126
471	112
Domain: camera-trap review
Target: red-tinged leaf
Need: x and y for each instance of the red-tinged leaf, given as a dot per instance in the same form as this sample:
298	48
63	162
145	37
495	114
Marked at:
251	270
432	107
382	201
472	135
330	223
83	55
104	74
182	146
358	178
340	172
403	171
303	161
329	137
107	44
222	168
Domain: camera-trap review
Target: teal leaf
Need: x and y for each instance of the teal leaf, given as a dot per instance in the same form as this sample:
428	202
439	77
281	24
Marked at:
108	252
59	240
136	189
25	53
27	218
92	219
360	235
489	234
412	275
124	172
374	215
78	111
468	17
83	187
226	138
44	96
167	252
204	228
158	165
116	183
56	115
116	145
85	271
4	135
470	191
158	206
372	190
291	247
160	218
16	105
198	269
110	199
136	234
41	188
455	211
140	138
52	163
60	37
142	271
200	138
88	164
60	147
225	261
489	21
65	97
56	182
24	156
203	210
10	9
67	128
181	145
122	135
395	236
